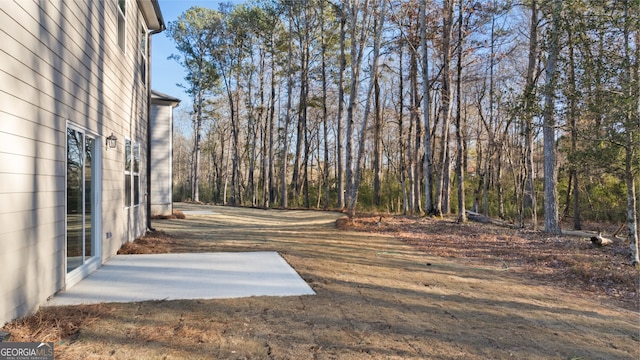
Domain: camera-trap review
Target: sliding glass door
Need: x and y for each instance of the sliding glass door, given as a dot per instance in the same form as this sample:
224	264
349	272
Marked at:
81	199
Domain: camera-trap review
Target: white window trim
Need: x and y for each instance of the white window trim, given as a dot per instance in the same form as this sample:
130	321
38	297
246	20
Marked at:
132	174
121	14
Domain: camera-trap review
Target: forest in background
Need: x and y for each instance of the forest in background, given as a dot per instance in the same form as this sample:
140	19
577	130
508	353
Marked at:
526	111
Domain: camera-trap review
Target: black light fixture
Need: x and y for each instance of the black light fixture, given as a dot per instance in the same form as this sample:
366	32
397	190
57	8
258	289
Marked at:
111	141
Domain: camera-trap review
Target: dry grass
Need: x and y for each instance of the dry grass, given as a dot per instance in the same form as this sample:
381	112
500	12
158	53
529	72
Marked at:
563	261
409	288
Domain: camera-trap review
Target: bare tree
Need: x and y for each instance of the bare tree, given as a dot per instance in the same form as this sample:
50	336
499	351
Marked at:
551	222
426	105
529	98
460	163
378	25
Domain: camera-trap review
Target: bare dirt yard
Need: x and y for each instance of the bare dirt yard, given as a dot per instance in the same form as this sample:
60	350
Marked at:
407	288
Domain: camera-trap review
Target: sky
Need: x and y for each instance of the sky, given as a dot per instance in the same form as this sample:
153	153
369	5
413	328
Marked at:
166	73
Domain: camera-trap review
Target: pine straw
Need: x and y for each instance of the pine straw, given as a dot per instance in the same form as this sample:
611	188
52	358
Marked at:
156	242
565	261
176	214
52	324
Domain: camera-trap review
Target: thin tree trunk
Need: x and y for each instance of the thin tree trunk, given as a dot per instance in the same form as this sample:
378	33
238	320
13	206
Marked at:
572	115
447	21
357	50
378	24
252	136
301	138
462	214
325	126
340	146
428	205
632	126
377	143
551	223
270	196
264	129
529	194
415	115
195	190
402	145
285	147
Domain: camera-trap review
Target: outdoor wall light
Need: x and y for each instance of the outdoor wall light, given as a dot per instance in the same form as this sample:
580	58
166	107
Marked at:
111	141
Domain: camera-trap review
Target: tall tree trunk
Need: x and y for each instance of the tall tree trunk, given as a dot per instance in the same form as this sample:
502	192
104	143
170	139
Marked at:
446	178
529	194
303	105
357	50
499	186
287	121
551	223
378	25
632	127
401	143
195	189
417	148
377	142
447	26
340	146
252	137
270	195
490	131
235	161
325	125
301	138
572	115
426	98
460	162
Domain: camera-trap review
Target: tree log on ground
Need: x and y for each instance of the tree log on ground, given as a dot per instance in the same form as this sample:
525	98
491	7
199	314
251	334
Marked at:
596	238
477	217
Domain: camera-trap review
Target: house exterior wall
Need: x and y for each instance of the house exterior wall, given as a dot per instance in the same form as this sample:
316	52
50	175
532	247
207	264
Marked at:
161	159
61	66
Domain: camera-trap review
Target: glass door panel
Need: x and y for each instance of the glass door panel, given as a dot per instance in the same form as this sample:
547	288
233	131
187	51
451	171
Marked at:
75	233
81	173
89	248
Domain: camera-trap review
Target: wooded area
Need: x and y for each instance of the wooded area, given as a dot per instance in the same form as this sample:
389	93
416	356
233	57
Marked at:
507	109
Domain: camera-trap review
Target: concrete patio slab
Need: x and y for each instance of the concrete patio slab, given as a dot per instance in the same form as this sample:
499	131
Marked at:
131	278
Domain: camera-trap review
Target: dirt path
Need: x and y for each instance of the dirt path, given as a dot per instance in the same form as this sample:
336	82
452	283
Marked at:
377	298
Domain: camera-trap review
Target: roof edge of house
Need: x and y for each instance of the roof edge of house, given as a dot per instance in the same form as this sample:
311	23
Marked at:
152	14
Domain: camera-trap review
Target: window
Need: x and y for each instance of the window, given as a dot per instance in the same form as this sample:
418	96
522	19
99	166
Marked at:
122	6
143	55
131	173
127	173
136	174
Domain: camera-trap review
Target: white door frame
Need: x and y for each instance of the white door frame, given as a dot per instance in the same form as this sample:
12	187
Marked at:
94	262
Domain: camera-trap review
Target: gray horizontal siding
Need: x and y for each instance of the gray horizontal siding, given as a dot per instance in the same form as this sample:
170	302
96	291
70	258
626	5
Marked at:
60	63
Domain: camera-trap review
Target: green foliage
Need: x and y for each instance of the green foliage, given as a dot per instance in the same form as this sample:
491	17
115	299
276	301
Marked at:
194	33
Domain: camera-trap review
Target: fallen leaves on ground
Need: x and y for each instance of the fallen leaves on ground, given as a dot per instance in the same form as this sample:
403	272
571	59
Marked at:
568	262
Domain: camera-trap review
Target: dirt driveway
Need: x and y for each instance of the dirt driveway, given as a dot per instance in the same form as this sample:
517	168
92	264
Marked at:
377	298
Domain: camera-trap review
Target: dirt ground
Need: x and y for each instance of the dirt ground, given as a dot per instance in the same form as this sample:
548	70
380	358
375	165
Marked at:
403	289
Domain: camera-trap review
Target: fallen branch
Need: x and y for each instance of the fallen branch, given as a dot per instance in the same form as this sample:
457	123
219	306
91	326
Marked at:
477	217
600	240
596	238
615	234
